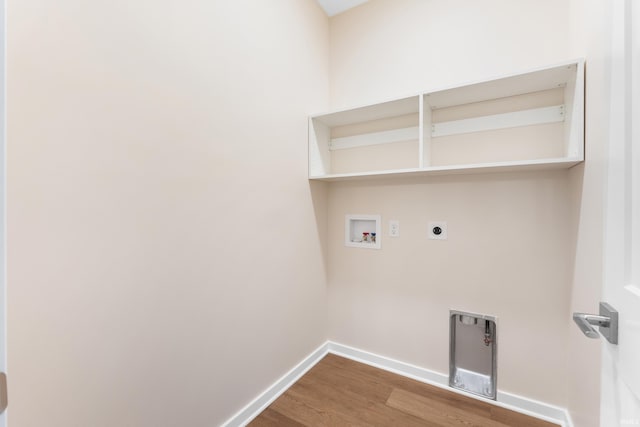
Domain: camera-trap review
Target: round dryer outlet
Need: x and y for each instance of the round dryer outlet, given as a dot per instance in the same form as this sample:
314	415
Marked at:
438	230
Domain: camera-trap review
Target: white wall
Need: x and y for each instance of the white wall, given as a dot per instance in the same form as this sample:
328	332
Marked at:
3	214
590	37
165	248
510	249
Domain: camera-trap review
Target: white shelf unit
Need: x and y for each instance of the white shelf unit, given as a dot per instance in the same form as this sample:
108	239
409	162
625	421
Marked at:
532	120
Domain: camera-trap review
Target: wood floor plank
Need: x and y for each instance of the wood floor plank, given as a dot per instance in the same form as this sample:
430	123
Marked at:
397	381
512	418
346	404
434	411
342	392
272	418
299	409
355	382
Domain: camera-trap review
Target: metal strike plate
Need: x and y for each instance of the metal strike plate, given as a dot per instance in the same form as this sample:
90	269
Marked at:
610	331
3	392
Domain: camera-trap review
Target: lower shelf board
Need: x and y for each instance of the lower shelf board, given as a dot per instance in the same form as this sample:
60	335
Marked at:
498	167
339	391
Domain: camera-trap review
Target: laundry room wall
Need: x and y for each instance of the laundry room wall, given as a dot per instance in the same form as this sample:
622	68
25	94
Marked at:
166	260
509	251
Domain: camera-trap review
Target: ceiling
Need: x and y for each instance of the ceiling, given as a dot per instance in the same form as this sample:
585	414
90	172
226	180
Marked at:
334	7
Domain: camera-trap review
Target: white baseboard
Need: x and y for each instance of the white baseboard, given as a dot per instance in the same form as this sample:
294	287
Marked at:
260	403
391	365
535	408
506	400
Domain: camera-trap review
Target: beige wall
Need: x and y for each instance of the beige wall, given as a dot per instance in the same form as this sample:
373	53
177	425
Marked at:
507	255
510	248
165	254
387	48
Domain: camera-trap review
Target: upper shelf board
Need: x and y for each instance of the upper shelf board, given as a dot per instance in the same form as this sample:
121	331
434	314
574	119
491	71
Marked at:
520	84
383	110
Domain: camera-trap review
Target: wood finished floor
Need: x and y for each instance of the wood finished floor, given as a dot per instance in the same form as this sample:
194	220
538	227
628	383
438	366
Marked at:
341	392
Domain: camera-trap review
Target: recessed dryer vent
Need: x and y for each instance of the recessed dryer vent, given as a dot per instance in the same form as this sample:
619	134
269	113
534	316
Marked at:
472	353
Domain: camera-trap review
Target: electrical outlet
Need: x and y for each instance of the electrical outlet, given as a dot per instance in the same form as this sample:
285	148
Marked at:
394	228
438	230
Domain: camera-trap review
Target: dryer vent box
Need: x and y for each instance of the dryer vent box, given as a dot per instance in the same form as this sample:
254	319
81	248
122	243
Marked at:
472	353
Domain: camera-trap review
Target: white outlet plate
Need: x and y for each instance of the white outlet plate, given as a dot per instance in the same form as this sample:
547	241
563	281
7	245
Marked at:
438	230
394	228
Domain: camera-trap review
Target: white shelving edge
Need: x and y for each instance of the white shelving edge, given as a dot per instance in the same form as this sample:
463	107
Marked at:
536	116
431	90
498	167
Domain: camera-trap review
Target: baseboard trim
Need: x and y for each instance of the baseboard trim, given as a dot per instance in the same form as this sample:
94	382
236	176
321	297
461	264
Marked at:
523	405
260	403
388	364
541	410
